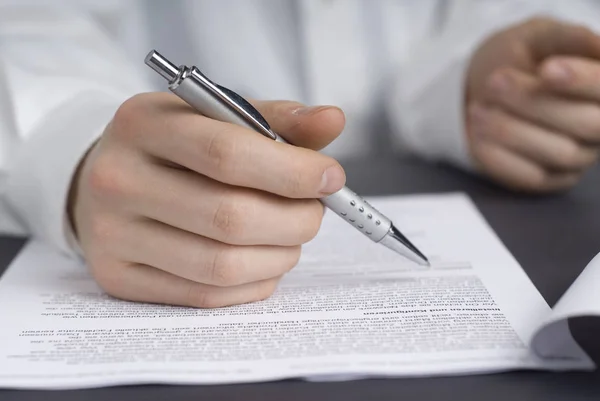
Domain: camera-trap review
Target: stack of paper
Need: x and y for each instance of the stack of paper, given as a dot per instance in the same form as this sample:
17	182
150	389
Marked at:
350	309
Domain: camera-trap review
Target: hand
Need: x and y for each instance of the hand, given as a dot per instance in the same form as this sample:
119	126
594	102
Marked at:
533	105
173	207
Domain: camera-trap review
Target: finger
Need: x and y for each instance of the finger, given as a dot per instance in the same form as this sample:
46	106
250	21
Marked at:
146	284
309	127
200	205
200	259
548	37
547	148
171	131
524	96
575	76
516	172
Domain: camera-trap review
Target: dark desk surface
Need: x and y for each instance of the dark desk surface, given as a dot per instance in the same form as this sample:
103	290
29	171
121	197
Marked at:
553	237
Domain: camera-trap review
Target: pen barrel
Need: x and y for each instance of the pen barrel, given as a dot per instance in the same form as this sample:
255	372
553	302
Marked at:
345	203
359	213
356	211
192	92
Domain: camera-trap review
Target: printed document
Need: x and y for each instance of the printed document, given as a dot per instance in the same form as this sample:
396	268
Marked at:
350	309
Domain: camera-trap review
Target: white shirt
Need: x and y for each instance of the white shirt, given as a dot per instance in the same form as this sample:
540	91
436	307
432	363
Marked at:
395	67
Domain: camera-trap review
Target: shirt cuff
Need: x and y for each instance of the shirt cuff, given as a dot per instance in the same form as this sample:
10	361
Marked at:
40	177
427	113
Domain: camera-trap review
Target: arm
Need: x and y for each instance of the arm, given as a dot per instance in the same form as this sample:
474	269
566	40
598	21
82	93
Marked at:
159	175
61	80
505	107
430	88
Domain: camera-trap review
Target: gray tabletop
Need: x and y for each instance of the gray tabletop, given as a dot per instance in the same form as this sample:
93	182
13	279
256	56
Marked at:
553	237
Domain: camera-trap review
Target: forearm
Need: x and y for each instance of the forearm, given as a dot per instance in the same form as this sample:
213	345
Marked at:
62	80
426	102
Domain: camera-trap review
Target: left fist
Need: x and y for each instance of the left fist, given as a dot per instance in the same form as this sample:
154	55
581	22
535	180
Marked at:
533	105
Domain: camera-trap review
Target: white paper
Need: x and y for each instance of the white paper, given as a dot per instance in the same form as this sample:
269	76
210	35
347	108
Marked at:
581	299
350	309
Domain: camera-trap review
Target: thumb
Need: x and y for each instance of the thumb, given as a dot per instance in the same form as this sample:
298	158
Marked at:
309	127
548	37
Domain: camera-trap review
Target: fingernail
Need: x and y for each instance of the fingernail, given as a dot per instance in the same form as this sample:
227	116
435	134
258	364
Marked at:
333	180
558	71
500	83
302	111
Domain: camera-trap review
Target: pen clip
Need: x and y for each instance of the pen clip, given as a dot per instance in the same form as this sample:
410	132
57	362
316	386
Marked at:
176	75
244	104
235	102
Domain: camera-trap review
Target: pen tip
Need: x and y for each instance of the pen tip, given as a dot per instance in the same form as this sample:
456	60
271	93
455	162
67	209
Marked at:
421	259
396	241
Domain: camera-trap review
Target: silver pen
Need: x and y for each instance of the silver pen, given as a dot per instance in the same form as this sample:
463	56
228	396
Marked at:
222	104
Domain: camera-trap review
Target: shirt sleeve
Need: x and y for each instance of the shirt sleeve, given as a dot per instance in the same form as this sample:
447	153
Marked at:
426	103
61	80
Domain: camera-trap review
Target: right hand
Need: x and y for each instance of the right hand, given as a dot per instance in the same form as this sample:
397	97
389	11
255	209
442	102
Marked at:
173	207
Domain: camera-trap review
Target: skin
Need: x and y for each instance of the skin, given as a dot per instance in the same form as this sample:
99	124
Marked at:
532	105
172	207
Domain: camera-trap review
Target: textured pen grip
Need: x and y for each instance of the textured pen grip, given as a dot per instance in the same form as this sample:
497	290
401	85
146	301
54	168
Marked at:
358	212
345	203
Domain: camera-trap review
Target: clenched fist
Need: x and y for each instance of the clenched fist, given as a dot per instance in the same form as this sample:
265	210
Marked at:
533	105
173	207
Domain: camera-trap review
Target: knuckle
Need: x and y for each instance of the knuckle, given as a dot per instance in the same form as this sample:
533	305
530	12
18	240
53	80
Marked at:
294	182
303	174
295	253
584	74
199	297
570	156
220	153
592	156
502	71
590	124
311	221
108	278
502	75
265	289
224	267
106	178
103	229
495	127
536	181
503	85
126	119
230	218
